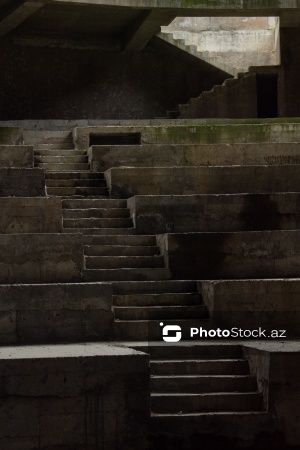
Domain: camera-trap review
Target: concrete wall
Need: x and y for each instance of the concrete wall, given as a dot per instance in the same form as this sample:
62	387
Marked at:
289	74
30	215
127	182
277	370
73	397
40	258
51	313
103	157
22	182
16	156
154	214
206	256
11	135
250	304
56	83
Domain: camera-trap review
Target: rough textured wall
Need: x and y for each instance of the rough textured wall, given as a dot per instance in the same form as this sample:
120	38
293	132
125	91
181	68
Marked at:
289	74
40	83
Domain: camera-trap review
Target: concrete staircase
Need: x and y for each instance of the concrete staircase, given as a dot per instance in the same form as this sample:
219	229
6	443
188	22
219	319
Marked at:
192	381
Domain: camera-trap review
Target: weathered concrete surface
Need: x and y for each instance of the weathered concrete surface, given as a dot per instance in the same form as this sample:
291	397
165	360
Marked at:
16	156
30	215
153	214
40	258
204	256
127	182
11	135
92	73
103	157
210	132
250	304
22	182
276	366
73	396
51	313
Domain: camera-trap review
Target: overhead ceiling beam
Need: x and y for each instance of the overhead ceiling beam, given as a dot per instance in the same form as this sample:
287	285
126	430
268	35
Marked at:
17	13
145	27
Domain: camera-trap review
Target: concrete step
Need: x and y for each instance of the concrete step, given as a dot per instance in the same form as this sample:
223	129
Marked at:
174	299
151	330
95	232
160	312
59	152
74	175
155	287
192	350
136	274
75	183
97	223
61	159
126	262
103	213
120	250
208	402
203	383
93	204
138	240
84	191
63	167
200	367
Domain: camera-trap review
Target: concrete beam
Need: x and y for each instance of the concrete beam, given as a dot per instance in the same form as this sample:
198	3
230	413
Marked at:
17	14
147	25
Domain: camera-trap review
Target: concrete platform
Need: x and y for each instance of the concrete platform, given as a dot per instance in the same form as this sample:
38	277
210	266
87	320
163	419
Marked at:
79	390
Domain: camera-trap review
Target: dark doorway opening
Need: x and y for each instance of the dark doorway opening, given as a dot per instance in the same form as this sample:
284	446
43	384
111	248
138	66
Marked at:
115	139
267	95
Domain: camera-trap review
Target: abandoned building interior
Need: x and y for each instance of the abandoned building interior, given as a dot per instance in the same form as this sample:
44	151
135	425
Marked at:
149	228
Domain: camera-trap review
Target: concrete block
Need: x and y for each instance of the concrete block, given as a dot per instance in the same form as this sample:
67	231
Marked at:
74	396
104	157
276	366
11	135
16	156
271	304
127	182
205	256
22	182
55	312
40	258
194	213
30	215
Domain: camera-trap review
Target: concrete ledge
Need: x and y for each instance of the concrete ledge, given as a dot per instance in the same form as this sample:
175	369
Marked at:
40	258
22	182
104	157
211	132
73	396
250	304
127	182
11	135
16	156
49	313
154	214
204	256
30	215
